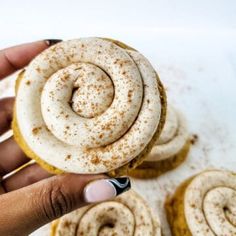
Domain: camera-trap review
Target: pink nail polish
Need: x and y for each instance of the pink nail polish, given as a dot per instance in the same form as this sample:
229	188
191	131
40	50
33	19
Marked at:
105	189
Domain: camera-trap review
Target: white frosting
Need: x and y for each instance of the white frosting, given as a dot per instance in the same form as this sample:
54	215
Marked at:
88	106
210	204
98	87
127	215
173	137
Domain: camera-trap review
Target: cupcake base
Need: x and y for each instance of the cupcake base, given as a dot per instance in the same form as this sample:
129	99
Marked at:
153	169
53	228
175	211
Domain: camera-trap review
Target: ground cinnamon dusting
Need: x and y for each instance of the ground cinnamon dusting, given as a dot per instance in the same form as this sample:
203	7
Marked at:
36	130
67	224
38	69
95	160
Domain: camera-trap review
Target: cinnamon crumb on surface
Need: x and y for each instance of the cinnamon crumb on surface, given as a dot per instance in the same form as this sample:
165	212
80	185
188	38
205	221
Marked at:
68	157
194	139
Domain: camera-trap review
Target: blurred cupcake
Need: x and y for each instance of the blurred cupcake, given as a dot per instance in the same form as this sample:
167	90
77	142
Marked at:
204	205
170	150
127	215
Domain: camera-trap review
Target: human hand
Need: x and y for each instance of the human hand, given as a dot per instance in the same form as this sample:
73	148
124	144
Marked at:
31	197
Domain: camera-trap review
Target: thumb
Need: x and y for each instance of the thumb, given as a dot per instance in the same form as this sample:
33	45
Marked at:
35	205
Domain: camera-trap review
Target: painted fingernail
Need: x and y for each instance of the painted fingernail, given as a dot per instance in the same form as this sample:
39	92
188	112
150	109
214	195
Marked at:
105	189
51	42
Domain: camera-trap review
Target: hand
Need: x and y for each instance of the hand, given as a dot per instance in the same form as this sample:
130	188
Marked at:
31	197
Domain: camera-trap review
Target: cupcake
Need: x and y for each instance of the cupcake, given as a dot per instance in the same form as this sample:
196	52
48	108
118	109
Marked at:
204	205
127	215
87	106
169	151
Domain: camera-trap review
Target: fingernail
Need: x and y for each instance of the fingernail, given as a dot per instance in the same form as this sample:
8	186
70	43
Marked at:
105	189
51	42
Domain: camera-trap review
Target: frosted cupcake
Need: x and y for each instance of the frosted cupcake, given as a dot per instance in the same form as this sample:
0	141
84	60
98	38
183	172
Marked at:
87	106
204	205
127	215
169	151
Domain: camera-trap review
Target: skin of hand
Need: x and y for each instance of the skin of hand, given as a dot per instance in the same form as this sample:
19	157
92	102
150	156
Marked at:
32	197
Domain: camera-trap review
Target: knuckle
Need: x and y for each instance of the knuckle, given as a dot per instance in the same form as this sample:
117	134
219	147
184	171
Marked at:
55	202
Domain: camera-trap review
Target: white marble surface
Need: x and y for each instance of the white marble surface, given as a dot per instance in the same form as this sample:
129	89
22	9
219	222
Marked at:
191	43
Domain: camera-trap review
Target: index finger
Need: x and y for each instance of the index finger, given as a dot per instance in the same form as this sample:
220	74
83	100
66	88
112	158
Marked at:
14	58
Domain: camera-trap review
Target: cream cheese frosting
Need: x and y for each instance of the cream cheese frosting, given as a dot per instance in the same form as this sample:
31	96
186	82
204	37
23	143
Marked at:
88	105
127	215
204	205
173	136
210	204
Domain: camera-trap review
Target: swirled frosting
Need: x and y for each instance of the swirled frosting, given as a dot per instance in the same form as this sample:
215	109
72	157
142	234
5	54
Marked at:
208	204
127	215
88	105
173	137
